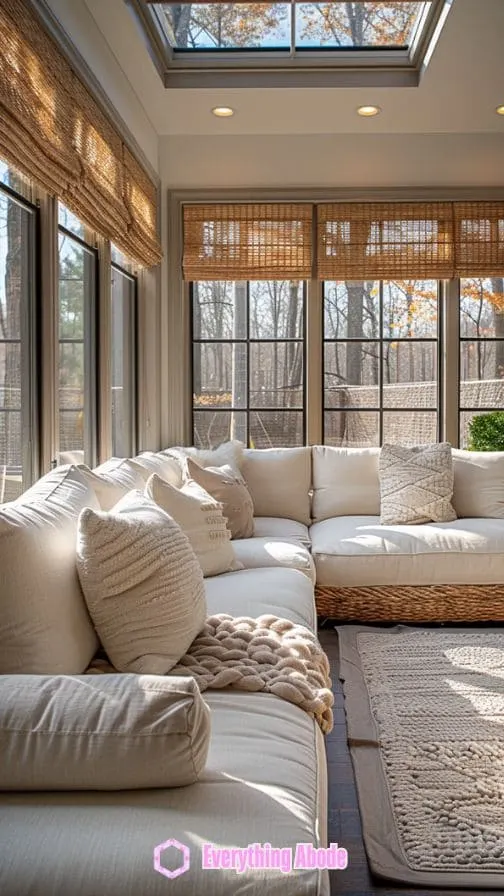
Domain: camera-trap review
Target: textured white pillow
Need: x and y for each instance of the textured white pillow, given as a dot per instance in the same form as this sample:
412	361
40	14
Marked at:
345	482
478	489
142	583
44	623
279	481
113	479
101	732
416	484
202	520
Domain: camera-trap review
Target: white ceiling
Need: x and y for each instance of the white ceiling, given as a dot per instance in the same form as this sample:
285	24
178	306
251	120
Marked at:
458	93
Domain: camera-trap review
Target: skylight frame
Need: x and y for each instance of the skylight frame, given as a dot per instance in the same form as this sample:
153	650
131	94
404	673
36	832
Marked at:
308	67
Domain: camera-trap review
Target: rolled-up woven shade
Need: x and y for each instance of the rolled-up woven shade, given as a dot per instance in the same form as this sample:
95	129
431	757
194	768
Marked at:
53	130
479	239
247	242
385	240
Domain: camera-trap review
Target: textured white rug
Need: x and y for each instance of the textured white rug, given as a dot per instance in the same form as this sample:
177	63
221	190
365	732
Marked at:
425	716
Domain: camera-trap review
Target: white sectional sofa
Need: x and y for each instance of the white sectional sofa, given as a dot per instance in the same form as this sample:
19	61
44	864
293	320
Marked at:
264	778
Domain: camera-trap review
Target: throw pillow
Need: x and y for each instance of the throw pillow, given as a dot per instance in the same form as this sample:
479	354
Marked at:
202	520
227	454
416	484
44	623
102	732
113	479
142	584
229	489
156	462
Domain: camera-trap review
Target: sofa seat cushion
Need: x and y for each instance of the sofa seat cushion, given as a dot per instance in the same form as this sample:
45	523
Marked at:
255	553
280	527
287	593
264	781
357	550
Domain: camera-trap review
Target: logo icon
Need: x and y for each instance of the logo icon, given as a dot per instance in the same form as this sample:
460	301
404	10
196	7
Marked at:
183	854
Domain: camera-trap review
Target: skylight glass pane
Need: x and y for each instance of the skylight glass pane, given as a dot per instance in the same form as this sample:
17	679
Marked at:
355	25
249	26
227	26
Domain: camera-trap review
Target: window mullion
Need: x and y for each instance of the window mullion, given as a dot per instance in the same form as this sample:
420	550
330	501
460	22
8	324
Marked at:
49	360
104	354
450	298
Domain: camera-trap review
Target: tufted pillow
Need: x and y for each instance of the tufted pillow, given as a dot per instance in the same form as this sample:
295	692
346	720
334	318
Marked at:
229	489
142	583
416	484
200	517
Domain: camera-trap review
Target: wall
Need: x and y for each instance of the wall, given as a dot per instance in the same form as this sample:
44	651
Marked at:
319	160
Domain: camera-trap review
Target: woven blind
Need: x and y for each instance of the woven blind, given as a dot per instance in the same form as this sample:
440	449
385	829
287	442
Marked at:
479	239
52	130
247	242
385	240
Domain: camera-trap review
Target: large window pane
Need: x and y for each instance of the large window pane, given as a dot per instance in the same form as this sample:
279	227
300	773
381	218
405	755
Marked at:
481	348
248	355
77	349
380	351
410	427
17	277
123	362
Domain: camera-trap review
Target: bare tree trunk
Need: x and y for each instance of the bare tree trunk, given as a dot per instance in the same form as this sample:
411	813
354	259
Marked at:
498	314
354	331
197	346
238	429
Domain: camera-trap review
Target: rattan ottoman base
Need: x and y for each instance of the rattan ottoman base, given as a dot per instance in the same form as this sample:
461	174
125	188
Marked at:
412	603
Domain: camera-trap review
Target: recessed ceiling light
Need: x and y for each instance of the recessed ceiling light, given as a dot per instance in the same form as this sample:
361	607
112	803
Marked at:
500	110
368	111
223	111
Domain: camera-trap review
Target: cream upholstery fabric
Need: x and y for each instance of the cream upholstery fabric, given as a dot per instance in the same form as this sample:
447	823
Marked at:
264	781
142	584
103	732
279	480
478	489
416	484
345	482
156	462
200	517
287	593
353	550
44	624
278	527
227	454
256	552
113	479
229	489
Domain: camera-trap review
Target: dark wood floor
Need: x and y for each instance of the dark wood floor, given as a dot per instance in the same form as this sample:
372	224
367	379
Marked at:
344	819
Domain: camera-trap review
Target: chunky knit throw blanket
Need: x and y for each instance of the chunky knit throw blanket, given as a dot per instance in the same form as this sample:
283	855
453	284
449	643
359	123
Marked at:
265	654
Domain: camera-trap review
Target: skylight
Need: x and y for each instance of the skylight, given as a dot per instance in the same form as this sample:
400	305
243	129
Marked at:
224	43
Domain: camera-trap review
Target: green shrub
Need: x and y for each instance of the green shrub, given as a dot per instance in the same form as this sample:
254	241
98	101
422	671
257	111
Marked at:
486	432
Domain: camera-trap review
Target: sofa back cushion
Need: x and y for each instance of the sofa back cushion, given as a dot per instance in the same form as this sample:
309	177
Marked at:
44	624
168	468
478	489
345	482
101	732
279	481
142	583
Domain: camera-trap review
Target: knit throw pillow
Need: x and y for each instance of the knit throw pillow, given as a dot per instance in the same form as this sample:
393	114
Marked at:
200	517
229	489
416	484
142	584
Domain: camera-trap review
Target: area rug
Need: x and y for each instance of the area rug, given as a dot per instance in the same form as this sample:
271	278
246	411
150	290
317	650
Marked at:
425	719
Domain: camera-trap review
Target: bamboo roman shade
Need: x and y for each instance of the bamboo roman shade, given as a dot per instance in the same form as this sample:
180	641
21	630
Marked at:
53	130
479	238
247	242
385	240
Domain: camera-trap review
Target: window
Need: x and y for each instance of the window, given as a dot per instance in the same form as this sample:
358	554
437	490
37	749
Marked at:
248	362
481	349
77	339
123	357
17	337
381	362
393	38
